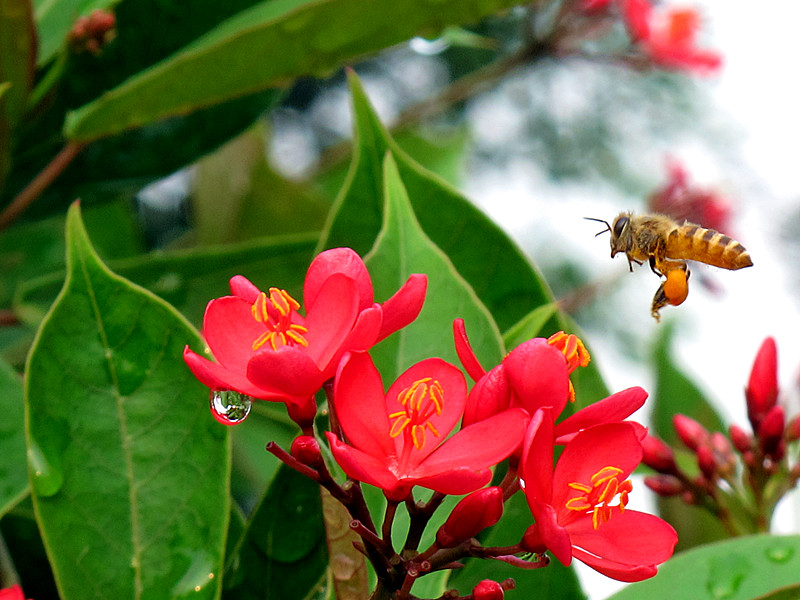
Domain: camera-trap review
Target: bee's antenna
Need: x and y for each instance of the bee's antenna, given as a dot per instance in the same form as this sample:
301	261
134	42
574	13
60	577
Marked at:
608	227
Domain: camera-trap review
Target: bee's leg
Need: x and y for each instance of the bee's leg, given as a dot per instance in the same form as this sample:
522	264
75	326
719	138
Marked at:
653	266
660	300
673	290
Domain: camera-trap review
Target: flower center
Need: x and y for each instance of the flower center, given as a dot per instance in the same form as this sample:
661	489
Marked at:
596	497
574	352
420	401
276	312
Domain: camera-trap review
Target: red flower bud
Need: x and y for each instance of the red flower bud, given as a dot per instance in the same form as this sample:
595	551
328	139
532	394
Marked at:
723	451
706	462
532	540
473	514
488	590
742	440
305	449
793	430
762	388
664	485
657	455
692	433
770	434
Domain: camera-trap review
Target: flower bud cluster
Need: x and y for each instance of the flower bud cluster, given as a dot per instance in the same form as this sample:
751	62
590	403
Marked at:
93	33
740	468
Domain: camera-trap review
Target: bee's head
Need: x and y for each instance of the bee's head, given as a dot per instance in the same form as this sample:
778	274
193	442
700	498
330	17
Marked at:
620	232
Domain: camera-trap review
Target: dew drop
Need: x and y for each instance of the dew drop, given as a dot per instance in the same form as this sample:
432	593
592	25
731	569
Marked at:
229	407
726	576
779	554
46	477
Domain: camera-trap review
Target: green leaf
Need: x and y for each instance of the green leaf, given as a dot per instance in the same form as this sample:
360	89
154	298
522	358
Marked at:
266	46
530	326
188	279
13	471
17	57
499	273
402	248
739	569
129	473
676	393
283	552
554	582
17	49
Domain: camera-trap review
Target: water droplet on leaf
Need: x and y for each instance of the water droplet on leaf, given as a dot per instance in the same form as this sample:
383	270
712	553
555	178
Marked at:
229	407
779	554
726	575
46	477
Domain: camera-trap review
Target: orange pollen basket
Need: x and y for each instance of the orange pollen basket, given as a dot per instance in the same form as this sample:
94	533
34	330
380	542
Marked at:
420	401
276	312
596	498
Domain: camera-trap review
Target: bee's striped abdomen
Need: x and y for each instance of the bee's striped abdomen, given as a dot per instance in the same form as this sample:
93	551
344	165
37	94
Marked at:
692	242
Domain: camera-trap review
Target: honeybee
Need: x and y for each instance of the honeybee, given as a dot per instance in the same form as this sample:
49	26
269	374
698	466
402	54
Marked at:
667	246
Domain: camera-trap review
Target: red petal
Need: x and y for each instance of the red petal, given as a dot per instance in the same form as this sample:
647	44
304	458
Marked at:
230	330
288	369
454	399
536	467
361	466
404	306
478	446
458	481
488	397
342	261
331	318
608	445
626	573
217	377
616	407
537	373
241	287
555	537
364	334
358	400
465	354
637	14
633	539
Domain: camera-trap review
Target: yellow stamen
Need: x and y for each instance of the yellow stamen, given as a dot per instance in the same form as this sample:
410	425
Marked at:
276	312
573	349
420	401
596	497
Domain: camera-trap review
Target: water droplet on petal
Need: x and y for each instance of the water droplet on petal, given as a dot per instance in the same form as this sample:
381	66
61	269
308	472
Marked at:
779	554
229	407
46	477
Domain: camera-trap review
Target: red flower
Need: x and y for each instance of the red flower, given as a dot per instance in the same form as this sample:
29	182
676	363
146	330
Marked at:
12	593
668	36
536	375
684	201
762	388
399	439
266	349
473	513
579	506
